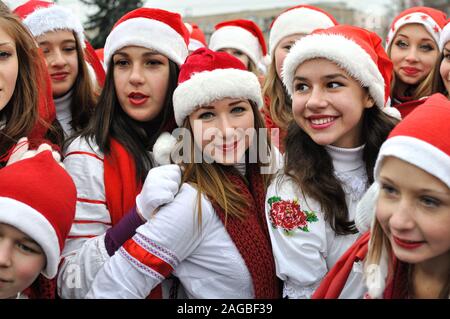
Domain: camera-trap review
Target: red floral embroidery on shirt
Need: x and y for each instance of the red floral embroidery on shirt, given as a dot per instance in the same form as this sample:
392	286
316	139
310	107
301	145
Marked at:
289	216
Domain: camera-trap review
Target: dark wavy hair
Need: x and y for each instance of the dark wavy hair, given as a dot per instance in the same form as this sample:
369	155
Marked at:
110	121
311	167
84	97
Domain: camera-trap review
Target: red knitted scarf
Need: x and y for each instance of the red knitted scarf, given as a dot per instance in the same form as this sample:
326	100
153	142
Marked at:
251	236
42	288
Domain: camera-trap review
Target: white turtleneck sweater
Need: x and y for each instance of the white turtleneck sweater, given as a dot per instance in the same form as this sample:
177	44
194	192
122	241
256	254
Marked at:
63	113
304	256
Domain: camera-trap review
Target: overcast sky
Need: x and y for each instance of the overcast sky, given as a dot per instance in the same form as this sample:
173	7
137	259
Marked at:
201	7
204	7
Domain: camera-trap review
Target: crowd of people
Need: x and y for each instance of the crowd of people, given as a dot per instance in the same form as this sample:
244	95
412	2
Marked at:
163	166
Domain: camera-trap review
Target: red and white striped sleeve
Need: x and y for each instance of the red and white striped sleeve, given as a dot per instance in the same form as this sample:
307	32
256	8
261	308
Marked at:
171	236
84	253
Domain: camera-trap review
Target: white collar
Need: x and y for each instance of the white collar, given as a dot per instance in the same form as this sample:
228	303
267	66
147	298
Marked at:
346	159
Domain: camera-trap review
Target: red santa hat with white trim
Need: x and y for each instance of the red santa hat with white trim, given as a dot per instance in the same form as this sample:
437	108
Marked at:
302	19
156	29
358	51
432	19
445	36
196	37
421	139
205	77
38	197
42	16
243	35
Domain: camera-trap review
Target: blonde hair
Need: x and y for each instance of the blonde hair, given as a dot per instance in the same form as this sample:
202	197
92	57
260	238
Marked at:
211	180
279	106
254	69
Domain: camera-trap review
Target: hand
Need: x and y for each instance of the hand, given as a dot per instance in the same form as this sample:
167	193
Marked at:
22	151
19	150
160	187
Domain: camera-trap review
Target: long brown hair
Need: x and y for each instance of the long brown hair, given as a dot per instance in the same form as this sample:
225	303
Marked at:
21	112
84	97
438	83
279	106
212	181
311	167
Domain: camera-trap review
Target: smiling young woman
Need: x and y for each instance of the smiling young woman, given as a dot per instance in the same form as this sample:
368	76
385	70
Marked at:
338	79
413	46
410	241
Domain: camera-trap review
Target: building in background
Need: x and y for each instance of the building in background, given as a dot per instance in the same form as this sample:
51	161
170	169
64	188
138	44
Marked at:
264	17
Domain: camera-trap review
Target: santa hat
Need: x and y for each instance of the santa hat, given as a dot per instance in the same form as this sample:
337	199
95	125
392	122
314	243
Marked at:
207	76
299	19
354	49
196	37
156	29
243	35
95	66
41	17
421	139
38	197
445	36
432	19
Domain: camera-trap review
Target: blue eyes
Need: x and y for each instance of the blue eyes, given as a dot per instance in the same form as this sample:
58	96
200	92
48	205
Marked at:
237	110
206	116
209	115
424	47
430	201
389	190
427	201
401	44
